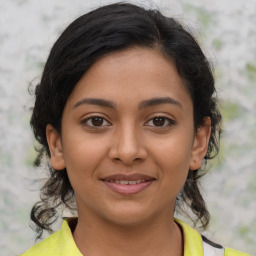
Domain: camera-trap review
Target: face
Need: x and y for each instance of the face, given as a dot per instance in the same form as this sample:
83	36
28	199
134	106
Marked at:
128	138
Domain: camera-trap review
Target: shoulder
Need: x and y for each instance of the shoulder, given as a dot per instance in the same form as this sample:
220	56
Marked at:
211	250
195	244
232	252
61	243
48	246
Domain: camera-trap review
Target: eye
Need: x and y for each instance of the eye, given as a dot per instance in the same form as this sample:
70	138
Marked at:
95	121
160	121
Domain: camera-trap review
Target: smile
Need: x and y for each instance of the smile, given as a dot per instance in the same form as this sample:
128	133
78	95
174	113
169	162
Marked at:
128	184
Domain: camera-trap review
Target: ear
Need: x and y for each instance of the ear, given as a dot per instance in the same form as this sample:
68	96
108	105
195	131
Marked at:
200	144
55	146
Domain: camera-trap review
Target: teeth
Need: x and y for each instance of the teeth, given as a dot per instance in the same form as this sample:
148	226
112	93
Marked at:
124	182
132	182
127	182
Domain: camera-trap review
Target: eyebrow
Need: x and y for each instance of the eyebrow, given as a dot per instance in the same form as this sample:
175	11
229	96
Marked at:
144	104
95	101
158	101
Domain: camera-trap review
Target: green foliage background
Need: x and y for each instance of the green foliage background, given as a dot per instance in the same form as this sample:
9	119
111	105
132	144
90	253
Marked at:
227	32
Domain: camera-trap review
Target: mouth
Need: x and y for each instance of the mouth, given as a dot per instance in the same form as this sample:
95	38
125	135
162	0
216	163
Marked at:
128	184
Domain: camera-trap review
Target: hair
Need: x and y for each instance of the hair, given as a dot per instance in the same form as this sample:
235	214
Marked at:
108	29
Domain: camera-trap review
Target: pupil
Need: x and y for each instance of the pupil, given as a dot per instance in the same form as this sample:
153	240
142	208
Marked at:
159	121
97	121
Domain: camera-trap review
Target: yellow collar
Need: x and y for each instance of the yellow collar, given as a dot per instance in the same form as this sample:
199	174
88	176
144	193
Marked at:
61	243
192	240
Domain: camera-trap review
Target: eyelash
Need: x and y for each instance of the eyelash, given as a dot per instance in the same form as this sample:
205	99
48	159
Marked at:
103	122
90	119
167	122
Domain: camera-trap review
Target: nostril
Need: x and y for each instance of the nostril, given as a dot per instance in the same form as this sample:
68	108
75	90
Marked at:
127	154
119	159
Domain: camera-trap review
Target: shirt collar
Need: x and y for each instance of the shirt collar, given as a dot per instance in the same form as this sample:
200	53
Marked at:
192	239
67	244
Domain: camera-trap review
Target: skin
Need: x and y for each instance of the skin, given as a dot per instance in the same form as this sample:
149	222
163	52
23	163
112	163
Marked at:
128	138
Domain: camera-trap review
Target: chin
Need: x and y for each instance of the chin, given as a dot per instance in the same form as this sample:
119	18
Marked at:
128	216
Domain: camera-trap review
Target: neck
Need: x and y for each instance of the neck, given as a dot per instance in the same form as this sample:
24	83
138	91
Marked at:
161	236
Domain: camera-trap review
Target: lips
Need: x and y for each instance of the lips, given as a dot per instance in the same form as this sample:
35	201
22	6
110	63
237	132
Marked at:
128	184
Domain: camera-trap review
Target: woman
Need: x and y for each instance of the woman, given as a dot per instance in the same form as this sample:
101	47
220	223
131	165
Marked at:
125	114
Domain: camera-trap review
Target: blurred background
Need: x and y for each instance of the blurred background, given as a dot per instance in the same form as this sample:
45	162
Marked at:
227	32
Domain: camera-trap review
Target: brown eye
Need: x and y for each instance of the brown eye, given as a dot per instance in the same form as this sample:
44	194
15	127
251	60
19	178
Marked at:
95	121
160	121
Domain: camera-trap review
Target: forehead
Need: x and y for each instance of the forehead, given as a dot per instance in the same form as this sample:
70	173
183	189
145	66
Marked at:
136	73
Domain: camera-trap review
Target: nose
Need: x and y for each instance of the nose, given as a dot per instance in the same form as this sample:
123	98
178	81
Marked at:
127	146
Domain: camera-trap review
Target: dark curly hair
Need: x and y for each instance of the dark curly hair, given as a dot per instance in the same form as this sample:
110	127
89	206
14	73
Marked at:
90	37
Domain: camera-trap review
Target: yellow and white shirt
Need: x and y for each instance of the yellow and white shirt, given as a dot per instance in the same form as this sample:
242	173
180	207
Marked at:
61	243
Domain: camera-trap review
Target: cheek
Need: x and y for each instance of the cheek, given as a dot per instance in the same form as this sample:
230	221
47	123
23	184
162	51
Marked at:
83	157
81	167
174	151
173	158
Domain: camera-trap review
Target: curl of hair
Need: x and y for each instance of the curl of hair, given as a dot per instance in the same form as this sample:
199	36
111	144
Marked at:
105	30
